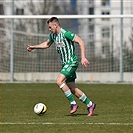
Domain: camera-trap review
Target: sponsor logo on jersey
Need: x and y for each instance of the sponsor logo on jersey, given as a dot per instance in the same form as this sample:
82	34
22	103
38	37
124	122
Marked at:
60	44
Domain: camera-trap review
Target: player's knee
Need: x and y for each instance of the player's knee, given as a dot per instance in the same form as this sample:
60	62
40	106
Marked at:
60	83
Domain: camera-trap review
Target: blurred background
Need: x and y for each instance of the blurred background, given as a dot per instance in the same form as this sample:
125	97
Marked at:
109	41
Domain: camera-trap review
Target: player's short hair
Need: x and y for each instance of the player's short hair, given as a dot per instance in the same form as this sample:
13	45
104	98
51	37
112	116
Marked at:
53	19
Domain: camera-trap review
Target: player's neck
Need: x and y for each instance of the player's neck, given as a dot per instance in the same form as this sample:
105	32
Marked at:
58	30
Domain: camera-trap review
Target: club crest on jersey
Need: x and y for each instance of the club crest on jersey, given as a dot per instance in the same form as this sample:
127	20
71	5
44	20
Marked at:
60	44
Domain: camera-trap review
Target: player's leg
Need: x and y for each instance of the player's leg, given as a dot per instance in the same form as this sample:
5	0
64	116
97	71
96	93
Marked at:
66	75
82	97
63	86
79	94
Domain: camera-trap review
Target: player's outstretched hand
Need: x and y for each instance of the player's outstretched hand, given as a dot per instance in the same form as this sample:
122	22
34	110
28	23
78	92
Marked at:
30	48
85	62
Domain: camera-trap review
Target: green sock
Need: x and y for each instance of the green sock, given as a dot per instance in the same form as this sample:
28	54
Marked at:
69	96
85	100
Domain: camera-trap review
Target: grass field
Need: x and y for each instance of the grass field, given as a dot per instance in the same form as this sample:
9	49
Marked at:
114	112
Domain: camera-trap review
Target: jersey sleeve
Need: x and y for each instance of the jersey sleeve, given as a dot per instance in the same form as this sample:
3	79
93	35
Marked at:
70	35
50	39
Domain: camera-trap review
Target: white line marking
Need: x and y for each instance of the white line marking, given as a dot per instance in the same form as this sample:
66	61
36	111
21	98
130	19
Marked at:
52	123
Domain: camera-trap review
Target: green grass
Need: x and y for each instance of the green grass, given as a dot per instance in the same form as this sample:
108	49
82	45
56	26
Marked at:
114	112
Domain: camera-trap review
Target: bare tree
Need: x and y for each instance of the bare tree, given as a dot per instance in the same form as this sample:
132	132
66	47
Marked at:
44	7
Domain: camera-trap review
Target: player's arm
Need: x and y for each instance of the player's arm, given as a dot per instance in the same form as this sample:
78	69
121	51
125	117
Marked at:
84	61
43	45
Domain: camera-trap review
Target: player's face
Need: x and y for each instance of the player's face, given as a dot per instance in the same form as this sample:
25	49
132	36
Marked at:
52	27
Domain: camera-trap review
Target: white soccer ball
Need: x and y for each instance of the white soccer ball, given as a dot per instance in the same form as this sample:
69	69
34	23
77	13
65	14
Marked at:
40	108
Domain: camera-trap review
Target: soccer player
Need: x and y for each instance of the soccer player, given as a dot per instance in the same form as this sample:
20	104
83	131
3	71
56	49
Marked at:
64	43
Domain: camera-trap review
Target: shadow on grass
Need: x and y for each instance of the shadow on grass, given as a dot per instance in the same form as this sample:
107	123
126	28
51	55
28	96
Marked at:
74	115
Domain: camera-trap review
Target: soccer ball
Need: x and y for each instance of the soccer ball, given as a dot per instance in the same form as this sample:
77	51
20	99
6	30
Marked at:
40	109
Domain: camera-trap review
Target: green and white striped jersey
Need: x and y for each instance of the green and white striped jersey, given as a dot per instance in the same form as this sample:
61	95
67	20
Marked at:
64	42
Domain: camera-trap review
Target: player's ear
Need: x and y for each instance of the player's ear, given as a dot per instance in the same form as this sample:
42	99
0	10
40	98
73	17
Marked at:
55	25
